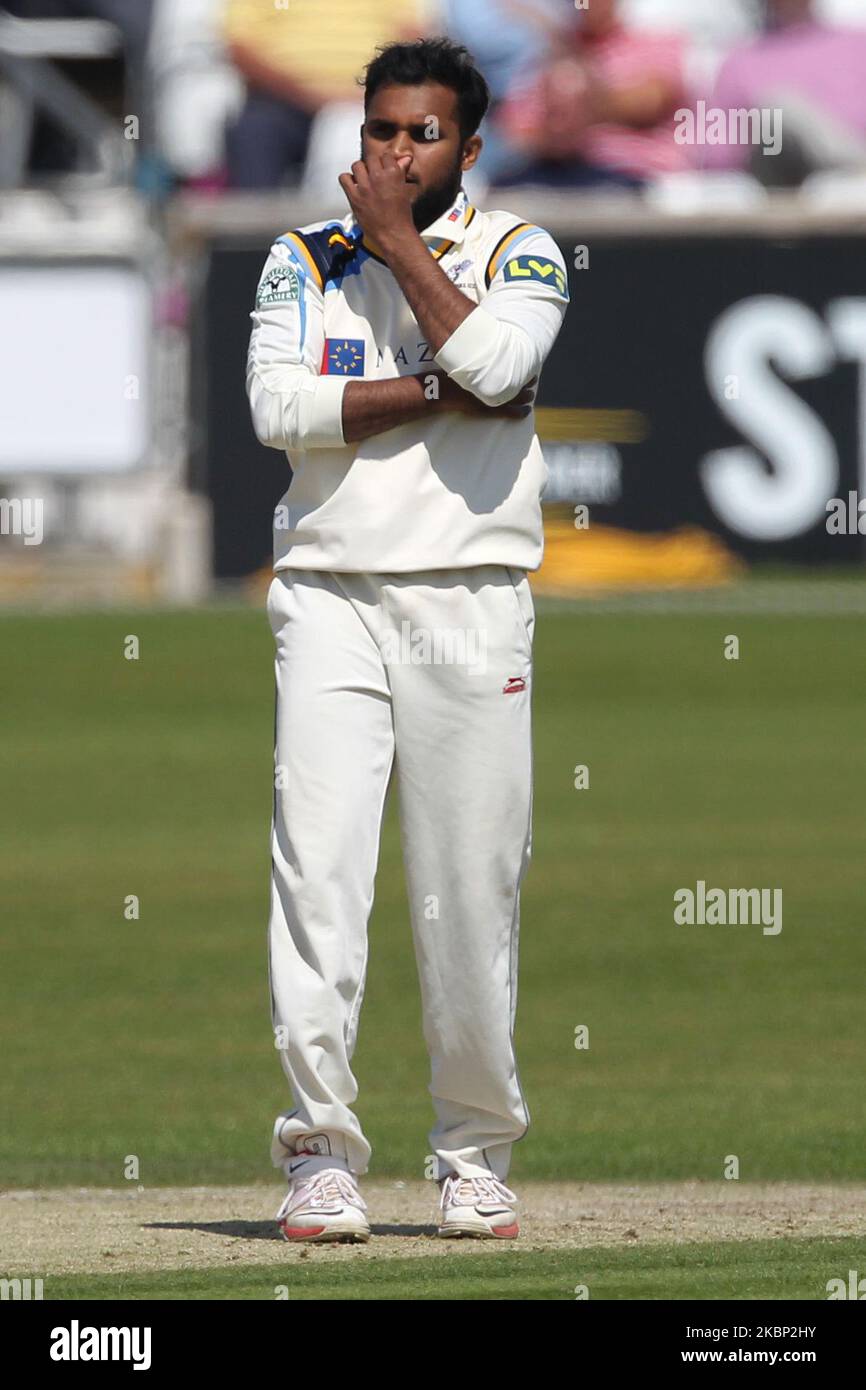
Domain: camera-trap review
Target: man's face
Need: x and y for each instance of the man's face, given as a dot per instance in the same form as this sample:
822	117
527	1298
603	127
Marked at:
419	126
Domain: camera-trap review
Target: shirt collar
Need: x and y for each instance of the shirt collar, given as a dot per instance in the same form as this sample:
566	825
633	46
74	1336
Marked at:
451	225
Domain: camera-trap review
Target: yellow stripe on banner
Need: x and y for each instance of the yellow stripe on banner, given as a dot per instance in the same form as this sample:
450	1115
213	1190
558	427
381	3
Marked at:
605	559
307	257
567	424
500	251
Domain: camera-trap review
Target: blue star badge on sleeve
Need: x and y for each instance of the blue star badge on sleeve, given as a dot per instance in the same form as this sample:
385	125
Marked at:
343	357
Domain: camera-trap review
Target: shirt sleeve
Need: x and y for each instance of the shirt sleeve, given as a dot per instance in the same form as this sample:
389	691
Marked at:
293	407
504	342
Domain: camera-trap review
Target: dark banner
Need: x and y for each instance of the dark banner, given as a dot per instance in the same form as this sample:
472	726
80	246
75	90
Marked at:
718	382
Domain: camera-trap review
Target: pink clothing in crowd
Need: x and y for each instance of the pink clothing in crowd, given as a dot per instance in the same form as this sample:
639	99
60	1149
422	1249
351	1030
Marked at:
824	65
619	59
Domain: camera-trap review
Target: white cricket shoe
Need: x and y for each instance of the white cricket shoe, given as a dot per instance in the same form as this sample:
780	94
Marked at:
481	1206
325	1205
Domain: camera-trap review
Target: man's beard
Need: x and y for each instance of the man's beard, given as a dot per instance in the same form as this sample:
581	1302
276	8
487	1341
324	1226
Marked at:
434	201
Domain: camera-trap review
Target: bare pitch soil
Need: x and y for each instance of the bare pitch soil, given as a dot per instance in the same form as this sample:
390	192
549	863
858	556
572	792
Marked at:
90	1230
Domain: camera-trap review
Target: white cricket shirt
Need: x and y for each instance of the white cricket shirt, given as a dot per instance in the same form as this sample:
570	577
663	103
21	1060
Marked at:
448	491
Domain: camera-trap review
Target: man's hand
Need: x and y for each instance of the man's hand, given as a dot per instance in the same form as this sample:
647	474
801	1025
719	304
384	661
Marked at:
372	407
380	198
453	397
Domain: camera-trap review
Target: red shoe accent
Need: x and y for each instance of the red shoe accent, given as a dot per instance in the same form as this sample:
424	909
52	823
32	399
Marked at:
296	1232
506	1232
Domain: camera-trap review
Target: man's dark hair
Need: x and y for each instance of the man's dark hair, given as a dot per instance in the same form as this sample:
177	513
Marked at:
432	60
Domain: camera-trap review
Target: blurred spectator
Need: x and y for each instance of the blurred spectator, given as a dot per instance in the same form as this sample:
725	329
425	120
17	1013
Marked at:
297	57
711	27
815	74
719	24
196	88
603	112
509	40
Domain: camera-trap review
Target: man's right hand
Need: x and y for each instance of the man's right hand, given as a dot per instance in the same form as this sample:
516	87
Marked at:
453	397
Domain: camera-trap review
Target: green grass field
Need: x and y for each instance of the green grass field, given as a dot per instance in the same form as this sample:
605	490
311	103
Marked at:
152	1037
771	1270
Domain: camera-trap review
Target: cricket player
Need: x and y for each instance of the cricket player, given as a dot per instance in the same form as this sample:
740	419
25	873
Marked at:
394	357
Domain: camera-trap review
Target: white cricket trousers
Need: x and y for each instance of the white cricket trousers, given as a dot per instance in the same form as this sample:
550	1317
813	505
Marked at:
428	673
